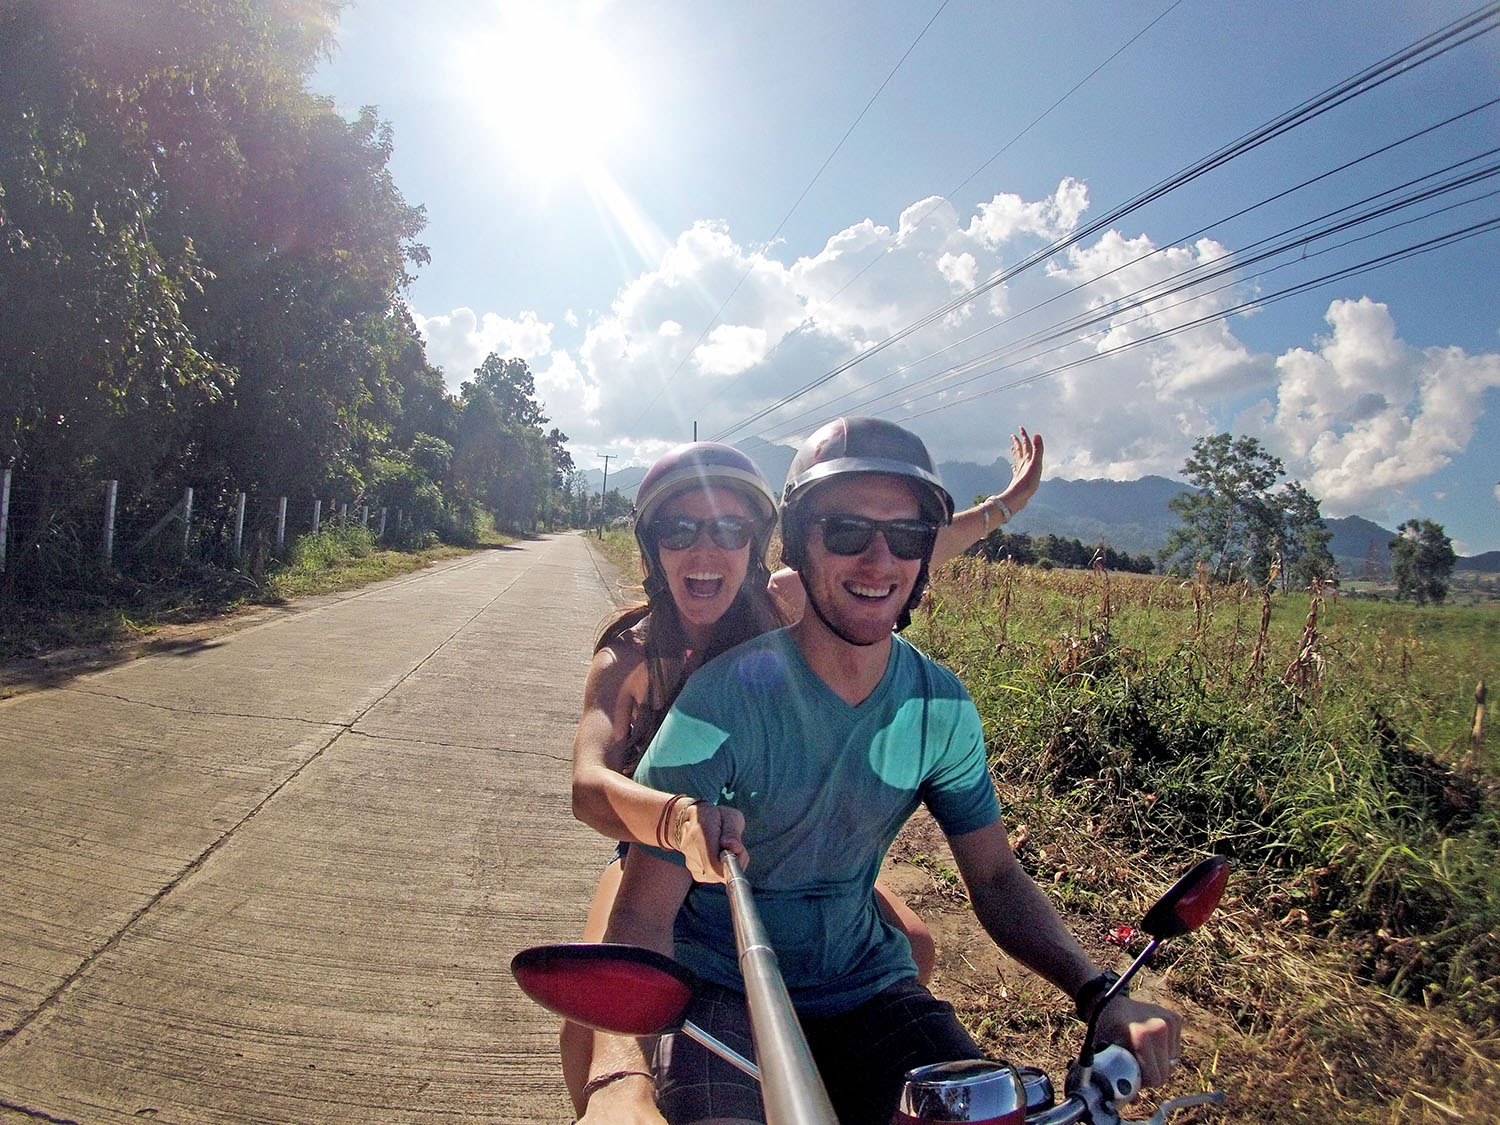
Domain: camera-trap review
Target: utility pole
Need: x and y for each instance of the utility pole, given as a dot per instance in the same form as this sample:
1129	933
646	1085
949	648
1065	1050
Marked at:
603	492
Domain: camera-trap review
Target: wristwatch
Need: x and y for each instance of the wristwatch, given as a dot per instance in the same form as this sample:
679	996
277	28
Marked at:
1088	995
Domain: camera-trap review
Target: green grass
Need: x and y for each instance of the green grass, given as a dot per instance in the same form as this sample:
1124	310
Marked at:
342	559
1322	743
621	549
119	610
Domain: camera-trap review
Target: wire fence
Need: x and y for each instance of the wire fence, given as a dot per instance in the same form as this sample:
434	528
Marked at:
47	535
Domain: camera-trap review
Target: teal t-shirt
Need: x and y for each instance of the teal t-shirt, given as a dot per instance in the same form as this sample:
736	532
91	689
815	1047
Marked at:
824	787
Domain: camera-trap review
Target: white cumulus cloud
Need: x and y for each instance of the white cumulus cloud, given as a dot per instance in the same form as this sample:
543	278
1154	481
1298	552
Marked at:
1367	414
730	349
1197	352
718	331
459	341
1007	216
959	270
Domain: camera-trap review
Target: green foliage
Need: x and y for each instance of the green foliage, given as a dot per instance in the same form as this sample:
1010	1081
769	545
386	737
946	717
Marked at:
1240	524
411	485
1323	745
503	461
617	506
1053	550
332	544
1422	560
337	558
202	270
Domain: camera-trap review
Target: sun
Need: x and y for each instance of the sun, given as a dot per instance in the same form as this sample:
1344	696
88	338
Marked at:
548	90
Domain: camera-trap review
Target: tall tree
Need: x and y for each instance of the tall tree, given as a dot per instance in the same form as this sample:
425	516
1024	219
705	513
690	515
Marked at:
201	263
1239	522
510	386
1422	559
503	459
100	373
1304	538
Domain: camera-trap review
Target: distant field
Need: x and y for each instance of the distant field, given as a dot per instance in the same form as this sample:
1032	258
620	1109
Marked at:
1325	743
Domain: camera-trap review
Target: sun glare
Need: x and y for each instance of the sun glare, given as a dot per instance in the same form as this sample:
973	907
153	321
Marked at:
549	91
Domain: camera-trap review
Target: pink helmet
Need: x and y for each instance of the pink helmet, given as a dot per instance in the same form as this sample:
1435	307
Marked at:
702	464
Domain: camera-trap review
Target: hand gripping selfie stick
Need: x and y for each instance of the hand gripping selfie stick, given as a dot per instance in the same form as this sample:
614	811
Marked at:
790	1084
632	990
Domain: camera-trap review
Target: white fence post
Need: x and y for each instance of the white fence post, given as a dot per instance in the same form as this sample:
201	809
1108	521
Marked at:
344	514
364	517
111	491
4	513
239	522
317	515
187	517
381	533
281	524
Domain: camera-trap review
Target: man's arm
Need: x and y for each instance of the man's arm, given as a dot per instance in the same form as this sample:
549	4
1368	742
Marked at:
1025	924
651	890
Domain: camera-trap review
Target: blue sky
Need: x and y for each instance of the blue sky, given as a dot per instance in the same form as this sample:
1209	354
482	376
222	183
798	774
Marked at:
664	209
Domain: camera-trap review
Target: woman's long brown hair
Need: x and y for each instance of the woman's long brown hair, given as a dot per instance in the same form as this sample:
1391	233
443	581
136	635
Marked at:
752	613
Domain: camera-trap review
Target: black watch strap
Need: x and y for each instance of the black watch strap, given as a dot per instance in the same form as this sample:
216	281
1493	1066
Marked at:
1088	996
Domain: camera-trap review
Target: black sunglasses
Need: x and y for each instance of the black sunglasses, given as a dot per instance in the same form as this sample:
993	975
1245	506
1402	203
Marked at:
678	533
852	535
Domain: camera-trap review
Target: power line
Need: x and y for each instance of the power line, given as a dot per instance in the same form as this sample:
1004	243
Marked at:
899	237
1424	50
1192	280
1366	266
714	320
1236	261
1435	243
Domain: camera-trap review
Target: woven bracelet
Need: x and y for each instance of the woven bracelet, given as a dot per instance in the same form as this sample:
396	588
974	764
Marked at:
595	1084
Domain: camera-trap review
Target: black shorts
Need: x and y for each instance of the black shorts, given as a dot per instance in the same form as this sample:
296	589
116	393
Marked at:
863	1055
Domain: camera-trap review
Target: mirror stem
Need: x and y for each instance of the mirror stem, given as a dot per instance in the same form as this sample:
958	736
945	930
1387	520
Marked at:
1086	1056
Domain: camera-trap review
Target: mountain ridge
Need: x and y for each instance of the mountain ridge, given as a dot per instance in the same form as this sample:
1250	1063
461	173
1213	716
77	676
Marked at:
1130	516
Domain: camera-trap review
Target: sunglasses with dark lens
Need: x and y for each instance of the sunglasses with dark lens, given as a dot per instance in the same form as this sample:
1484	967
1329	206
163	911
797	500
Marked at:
678	533
852	535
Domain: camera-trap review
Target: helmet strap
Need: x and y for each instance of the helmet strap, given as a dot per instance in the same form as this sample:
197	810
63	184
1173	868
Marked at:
916	597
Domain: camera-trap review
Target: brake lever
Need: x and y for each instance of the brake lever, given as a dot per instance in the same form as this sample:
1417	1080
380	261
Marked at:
1172	1105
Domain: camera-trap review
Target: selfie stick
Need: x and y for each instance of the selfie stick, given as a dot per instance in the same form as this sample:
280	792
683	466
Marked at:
791	1087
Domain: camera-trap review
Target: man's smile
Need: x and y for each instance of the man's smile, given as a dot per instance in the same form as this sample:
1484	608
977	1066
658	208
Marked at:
864	590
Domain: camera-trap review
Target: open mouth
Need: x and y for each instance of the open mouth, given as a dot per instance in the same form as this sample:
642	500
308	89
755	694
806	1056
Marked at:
703	585
870	593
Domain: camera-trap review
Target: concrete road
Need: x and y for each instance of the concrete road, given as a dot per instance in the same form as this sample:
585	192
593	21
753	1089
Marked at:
279	877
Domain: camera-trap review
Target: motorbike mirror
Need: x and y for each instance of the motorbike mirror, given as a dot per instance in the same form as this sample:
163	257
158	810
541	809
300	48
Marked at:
1190	901
625	989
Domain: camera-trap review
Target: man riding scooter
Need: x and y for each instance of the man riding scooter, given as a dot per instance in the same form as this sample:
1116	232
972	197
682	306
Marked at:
826	736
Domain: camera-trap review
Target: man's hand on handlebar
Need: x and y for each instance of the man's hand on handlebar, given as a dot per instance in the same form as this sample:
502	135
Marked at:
1151	1033
706	831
